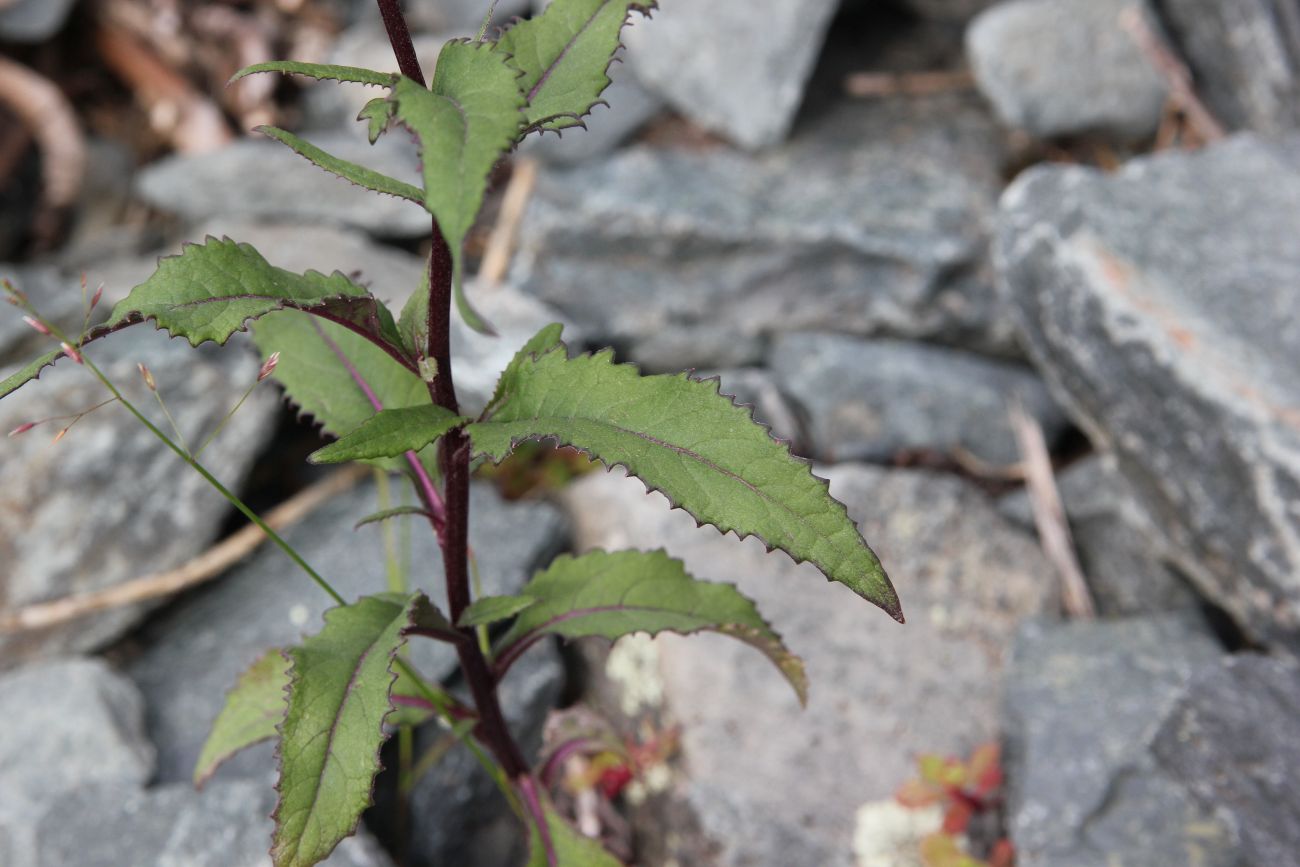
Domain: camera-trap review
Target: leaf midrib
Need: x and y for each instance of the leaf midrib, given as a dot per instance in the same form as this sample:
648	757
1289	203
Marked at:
348	694
681	450
564	52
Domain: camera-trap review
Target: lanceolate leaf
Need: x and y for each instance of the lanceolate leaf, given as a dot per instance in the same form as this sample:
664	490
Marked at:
384	515
377	114
389	434
559	844
612	595
323	367
210	291
680	436
466	121
320	72
330	738
359	175
564	54
28	372
541	342
254	709
491	609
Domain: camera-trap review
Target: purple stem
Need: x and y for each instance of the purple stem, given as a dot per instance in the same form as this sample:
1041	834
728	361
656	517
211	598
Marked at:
529	789
428	491
561	755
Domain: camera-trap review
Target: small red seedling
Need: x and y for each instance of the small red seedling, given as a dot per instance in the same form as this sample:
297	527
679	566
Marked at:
964	789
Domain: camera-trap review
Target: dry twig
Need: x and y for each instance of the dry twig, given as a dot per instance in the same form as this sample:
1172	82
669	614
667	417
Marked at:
177	111
501	241
42	109
1176	74
1049	514
206	566
882	84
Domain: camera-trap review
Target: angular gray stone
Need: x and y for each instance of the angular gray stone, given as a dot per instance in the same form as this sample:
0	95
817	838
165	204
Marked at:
67	724
109	502
197	649
32	20
737	67
226	825
1083	703
264	179
1122	552
1063	67
868	400
1245	55
463	818
389	272
770	783
874	220
1234	741
1179	355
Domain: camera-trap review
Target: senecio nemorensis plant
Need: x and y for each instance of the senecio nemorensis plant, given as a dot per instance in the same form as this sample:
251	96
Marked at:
383	385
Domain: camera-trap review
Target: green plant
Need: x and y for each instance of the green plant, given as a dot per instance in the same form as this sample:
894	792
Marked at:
383	385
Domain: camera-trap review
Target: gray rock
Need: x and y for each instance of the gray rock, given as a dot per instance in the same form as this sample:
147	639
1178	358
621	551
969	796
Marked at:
770	783
390	273
463	818
734	66
1232	741
1062	67
868	400
874	220
109	502
67	724
462	17
264	179
226	825
1120	548
1177	355
1083	702
628	107
32	20
1245	55
196	651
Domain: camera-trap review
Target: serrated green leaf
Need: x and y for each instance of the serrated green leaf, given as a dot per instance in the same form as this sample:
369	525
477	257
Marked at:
389	434
564	55
320	72
211	290
465	122
319	368
254	707
385	514
541	342
615	594
28	372
377	114
680	436
491	609
359	175
329	742
559	844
